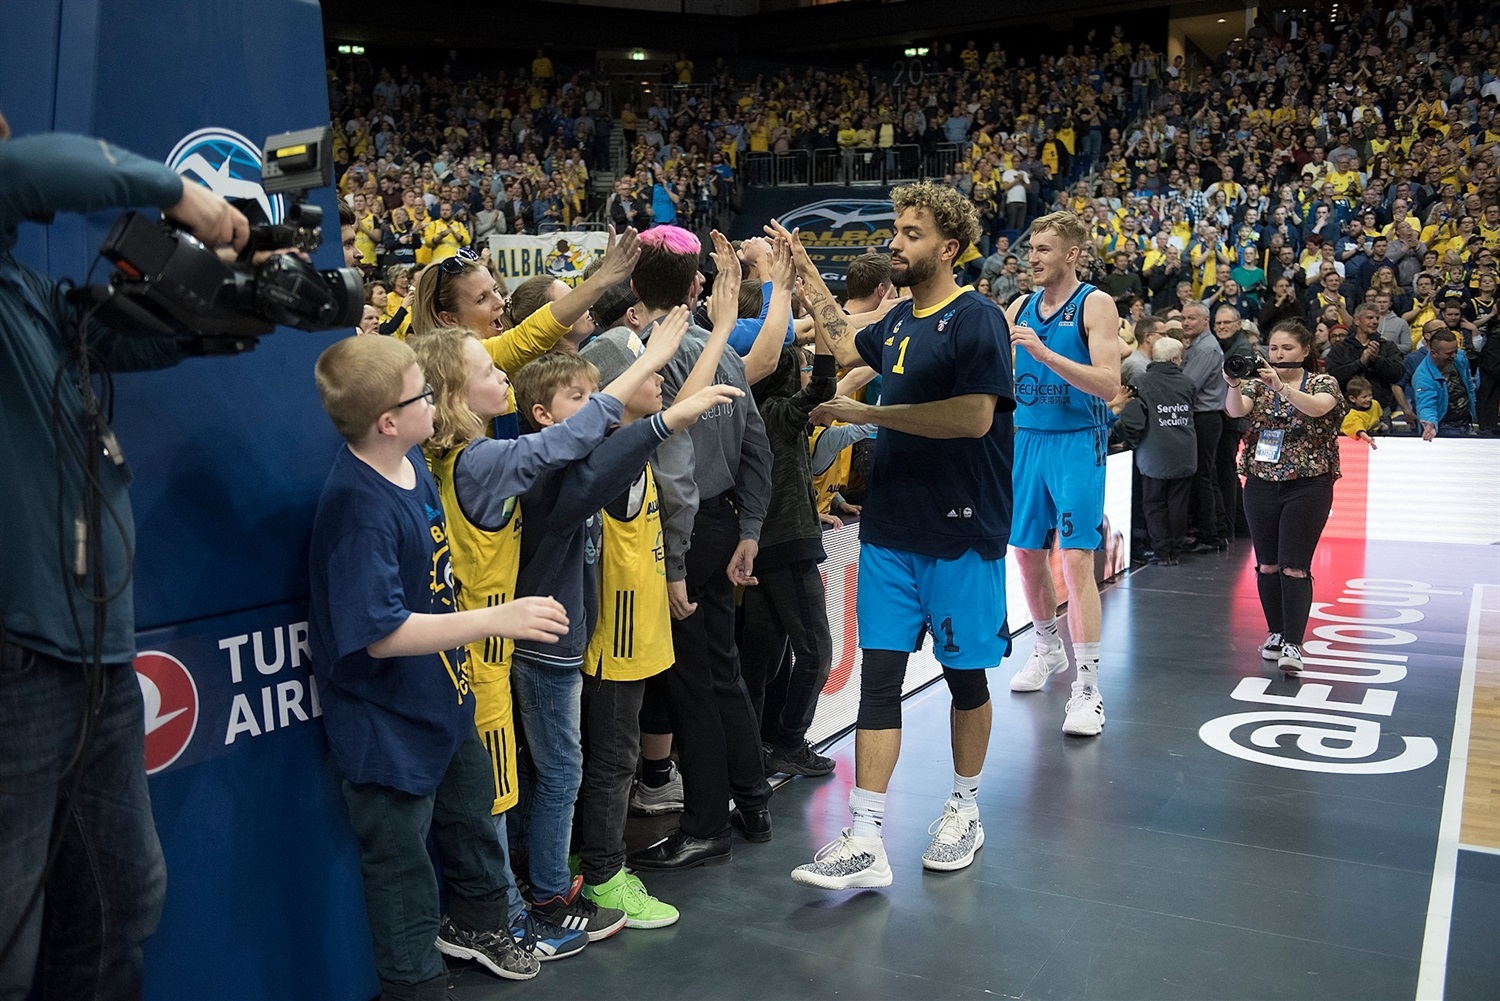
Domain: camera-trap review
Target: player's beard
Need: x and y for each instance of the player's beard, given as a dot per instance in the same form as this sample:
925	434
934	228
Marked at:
916	272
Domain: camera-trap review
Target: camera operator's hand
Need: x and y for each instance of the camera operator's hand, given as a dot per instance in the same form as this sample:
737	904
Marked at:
209	217
1269	376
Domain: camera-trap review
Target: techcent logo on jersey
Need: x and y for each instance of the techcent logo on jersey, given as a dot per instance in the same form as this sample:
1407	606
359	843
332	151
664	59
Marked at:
228	164
1031	391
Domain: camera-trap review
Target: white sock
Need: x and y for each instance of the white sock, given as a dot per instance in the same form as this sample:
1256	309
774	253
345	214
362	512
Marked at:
868	809
1087	657
1046	633
965	798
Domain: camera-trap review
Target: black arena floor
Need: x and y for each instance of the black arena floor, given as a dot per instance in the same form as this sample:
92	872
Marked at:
1295	859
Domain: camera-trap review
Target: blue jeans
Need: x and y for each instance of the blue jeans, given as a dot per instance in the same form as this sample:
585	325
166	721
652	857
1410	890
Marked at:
549	700
401	887
514	905
104	895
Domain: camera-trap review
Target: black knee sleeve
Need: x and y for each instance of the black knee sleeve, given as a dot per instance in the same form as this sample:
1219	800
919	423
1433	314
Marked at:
880	677
970	688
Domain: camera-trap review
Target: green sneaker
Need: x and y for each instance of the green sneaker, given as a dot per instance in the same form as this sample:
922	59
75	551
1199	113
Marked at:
624	891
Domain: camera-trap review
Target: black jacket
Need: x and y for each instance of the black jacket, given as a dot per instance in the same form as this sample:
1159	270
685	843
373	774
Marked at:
1384	371
792	532
1158	423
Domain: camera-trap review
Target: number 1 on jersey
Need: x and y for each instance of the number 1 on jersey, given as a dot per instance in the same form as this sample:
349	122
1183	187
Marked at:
900	367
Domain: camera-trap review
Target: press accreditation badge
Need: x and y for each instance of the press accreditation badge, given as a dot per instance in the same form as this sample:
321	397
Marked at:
1268	448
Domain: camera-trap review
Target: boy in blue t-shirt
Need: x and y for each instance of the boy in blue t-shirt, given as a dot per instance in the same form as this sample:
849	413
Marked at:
387	655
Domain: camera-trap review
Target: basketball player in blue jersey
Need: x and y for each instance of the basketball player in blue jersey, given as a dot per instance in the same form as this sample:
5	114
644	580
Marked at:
935	522
1067	363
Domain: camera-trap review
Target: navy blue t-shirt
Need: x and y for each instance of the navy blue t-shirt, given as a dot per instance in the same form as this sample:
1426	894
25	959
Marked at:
941	497
380	553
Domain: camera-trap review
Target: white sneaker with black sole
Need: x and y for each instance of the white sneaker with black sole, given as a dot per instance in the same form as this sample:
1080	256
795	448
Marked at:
956	836
1271	648
846	863
1041	665
1290	661
1085	714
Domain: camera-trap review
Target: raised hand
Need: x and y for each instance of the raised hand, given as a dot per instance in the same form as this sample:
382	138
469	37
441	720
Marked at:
724	300
665	338
783	267
688	409
776	231
620	255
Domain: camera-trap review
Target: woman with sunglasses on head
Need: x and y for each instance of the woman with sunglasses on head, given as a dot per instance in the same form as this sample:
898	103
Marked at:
1290	460
460	291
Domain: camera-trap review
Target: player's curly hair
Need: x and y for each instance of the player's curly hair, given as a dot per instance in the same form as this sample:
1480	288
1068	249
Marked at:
441	355
954	214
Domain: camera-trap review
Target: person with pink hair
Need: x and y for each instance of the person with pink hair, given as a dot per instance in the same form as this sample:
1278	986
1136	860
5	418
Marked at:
715	484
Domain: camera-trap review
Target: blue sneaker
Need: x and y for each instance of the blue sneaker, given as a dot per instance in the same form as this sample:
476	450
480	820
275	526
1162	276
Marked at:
545	940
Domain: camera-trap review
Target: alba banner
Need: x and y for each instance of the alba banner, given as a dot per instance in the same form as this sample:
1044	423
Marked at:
561	255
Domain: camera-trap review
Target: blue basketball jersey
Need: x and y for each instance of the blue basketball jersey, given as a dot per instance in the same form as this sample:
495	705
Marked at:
940	497
1044	400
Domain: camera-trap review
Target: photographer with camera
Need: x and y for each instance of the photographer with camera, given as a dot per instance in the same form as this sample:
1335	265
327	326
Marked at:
1290	461
75	811
1364	352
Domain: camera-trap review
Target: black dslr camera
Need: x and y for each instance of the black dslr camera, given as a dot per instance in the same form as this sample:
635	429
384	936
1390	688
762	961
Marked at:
167	283
1241	366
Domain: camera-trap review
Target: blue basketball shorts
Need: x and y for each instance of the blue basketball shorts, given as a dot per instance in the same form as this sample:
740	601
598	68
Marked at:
961	602
1057	485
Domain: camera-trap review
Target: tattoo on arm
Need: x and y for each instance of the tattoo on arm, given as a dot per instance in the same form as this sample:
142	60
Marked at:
834	323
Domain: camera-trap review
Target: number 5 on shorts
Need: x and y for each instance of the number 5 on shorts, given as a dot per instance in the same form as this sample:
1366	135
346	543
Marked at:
1067	524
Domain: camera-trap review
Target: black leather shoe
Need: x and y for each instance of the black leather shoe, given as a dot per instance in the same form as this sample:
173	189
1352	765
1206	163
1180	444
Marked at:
683	851
755	825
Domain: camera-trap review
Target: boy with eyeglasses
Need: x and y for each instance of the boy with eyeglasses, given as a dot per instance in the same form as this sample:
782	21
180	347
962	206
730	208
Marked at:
397	705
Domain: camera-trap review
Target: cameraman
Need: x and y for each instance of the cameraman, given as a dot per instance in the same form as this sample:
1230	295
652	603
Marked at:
74	806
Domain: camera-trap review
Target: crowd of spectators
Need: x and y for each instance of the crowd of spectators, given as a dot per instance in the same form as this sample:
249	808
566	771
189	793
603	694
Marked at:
1334	157
1338	170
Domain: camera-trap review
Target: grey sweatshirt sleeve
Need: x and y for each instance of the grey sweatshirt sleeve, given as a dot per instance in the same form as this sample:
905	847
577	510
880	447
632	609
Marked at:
598	478
673	468
834	440
753	481
491	471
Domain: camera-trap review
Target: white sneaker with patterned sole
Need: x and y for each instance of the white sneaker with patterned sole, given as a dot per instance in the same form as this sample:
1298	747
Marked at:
846	863
956	836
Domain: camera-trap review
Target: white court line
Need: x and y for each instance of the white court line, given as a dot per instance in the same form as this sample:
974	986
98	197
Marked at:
1433	971
1487	850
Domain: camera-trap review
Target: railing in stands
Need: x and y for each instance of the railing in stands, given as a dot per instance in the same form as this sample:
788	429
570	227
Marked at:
903	162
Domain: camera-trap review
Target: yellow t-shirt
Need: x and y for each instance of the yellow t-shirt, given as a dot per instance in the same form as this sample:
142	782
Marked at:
443	238
1356	421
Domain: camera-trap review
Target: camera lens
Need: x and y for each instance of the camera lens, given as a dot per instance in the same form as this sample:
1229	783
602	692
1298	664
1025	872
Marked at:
1239	366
